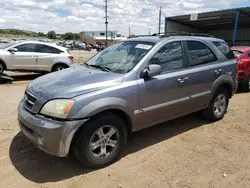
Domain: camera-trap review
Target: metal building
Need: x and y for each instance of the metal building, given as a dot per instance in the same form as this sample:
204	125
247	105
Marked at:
232	25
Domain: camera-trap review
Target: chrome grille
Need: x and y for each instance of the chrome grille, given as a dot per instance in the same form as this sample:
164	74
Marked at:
29	100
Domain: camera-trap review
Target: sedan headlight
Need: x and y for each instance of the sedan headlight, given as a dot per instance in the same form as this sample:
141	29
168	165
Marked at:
59	108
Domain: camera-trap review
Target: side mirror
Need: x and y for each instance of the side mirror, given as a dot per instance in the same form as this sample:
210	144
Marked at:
152	70
12	50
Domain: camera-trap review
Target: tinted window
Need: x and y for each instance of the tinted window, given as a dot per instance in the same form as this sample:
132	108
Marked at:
26	47
170	57
224	48
199	53
47	49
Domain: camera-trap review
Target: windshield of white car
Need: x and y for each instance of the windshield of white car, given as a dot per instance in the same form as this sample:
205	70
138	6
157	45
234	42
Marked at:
121	57
3	46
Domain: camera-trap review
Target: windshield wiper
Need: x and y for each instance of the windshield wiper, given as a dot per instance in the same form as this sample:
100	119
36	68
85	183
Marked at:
98	66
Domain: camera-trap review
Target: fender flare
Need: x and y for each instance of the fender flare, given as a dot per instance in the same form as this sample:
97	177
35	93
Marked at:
225	80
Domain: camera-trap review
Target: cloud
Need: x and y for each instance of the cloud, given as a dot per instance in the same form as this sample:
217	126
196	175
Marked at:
75	15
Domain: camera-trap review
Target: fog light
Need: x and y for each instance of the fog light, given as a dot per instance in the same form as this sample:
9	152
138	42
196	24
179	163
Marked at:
39	141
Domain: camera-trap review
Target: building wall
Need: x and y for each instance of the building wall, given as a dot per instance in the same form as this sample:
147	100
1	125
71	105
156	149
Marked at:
176	27
100	33
242	38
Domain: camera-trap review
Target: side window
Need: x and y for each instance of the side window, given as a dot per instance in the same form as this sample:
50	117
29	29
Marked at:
26	47
170	57
224	48
199	53
248	55
47	49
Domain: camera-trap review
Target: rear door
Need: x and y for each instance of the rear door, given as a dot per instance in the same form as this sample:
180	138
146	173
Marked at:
204	70
45	57
24	58
205	66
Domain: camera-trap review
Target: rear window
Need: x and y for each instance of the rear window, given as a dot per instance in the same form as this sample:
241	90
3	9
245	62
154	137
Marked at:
237	53
224	48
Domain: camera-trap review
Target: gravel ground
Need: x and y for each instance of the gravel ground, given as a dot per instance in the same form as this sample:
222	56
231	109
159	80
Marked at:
187	152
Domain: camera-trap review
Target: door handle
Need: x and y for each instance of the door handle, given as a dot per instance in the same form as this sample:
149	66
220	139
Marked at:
218	71
182	80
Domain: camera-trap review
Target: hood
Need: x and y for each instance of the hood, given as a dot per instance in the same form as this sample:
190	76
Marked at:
72	82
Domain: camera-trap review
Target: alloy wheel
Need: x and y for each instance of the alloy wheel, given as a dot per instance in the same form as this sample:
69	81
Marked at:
219	105
104	142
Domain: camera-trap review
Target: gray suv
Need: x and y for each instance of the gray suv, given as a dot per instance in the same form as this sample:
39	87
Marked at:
134	84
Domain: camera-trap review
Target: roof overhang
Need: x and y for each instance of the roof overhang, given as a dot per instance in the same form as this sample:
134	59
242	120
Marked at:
216	20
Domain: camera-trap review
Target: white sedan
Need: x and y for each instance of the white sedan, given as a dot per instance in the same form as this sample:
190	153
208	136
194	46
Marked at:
34	56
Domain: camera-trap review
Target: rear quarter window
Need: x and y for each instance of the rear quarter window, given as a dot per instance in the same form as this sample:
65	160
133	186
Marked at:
224	48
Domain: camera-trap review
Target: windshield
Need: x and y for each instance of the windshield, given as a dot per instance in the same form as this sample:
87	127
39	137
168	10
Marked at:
3	46
121	57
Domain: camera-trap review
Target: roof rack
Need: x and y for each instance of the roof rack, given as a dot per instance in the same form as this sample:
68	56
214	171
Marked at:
185	34
136	36
169	34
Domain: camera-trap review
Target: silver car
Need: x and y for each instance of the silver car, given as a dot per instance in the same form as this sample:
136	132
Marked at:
34	56
131	85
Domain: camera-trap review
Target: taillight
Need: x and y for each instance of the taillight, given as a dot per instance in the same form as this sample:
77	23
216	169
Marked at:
71	57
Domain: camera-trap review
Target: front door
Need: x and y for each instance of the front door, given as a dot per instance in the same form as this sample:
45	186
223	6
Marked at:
24	58
165	95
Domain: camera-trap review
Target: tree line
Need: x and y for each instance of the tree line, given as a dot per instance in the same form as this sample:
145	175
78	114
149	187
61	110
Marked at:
50	34
66	36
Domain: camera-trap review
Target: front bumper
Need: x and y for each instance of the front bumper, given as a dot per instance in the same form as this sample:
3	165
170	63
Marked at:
53	137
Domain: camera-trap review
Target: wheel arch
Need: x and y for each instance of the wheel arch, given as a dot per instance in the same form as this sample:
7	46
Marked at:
118	112
59	63
4	64
224	81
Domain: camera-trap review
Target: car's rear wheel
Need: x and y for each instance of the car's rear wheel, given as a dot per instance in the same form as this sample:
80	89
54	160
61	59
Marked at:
59	67
218	106
1	68
246	85
101	141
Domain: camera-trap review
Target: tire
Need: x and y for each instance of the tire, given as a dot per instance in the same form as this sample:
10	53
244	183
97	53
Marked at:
217	110
95	157
246	85
1	68
59	67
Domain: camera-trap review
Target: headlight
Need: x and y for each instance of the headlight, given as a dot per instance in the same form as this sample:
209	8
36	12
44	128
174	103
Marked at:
59	108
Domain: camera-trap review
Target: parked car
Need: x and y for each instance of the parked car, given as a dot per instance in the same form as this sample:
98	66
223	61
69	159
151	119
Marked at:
242	54
34	56
131	85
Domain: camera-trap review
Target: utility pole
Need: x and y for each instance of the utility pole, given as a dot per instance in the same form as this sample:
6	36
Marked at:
149	31
106	21
129	31
159	29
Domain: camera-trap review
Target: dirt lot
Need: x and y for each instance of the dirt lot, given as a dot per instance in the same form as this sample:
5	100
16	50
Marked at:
188	152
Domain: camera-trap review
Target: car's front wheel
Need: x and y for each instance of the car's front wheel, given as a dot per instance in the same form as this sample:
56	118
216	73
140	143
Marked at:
218	105
101	141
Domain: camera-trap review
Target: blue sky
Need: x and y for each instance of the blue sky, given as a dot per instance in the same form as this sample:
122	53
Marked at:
75	15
